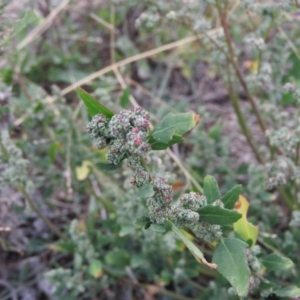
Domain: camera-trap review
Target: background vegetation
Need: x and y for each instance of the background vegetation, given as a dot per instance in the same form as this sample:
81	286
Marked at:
66	225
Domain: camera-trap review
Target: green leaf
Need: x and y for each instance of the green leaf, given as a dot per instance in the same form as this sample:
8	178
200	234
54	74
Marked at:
126	229
107	204
137	260
214	214
243	227
276	262
290	291
211	189
230	256
155	145
124	99
158	228
53	149
146	191
266	285
95	268
191	246
142	222
92	105
63	246
174	124
119	258
232	196
215	131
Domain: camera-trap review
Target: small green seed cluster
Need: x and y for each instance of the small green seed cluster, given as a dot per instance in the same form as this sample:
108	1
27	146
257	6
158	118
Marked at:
193	201
125	134
72	280
255	267
160	204
15	167
280	171
207	232
295	222
140	178
285	139
186	215
84	247
253	261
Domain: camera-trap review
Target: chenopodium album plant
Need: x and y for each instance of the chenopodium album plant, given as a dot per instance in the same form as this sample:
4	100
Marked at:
219	221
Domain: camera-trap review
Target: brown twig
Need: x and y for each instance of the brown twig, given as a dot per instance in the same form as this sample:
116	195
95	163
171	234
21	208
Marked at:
223	19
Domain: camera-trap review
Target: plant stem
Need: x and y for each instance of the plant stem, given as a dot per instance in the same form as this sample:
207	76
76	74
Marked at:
242	122
288	201
40	214
238	72
145	166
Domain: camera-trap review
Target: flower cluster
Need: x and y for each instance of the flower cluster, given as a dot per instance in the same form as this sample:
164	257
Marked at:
280	170
160	204
193	201
140	178
186	215
253	261
285	139
125	134
15	166
72	280
295	222
5	116
84	247
98	130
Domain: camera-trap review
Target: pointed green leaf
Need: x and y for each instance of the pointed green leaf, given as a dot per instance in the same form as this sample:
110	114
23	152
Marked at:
276	262
146	191
232	196
95	268
211	189
142	222
290	292
191	246
155	145
266	285
137	260
230	256
119	258
63	246
214	214
174	124
92	105
160	228
215	131
126	229
124	99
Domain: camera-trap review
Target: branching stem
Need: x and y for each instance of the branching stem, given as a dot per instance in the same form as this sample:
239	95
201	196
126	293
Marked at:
223	19
241	119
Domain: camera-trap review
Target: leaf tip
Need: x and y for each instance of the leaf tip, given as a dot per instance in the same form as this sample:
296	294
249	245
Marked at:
211	265
196	118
